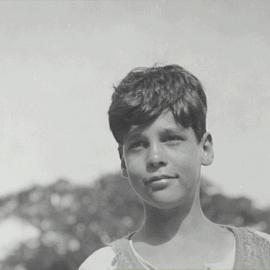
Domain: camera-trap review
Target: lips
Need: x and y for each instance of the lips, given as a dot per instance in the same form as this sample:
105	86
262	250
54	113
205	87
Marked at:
159	177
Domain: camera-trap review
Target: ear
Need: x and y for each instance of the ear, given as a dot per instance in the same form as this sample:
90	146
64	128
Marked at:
207	149
123	164
124	168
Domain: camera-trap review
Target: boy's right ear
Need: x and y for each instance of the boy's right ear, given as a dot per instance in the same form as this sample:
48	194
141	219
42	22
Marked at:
124	168
123	164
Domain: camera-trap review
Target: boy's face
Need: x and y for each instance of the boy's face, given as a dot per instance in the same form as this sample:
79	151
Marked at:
163	160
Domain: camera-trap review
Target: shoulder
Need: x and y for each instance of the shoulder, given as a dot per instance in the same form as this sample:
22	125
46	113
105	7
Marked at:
266	236
101	259
250	231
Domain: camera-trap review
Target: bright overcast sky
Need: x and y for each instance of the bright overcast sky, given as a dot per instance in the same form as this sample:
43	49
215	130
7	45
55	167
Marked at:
60	59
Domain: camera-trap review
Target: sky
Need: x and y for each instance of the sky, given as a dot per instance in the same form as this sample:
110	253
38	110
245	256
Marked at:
60	60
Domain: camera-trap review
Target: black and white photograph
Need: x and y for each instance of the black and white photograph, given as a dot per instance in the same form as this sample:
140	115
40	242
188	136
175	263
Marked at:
134	135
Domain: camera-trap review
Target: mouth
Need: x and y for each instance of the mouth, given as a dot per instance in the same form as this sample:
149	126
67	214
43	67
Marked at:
159	177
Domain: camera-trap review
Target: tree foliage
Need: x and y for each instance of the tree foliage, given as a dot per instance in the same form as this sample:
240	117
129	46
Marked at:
74	220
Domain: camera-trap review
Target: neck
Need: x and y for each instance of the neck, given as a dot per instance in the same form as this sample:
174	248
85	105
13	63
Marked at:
161	225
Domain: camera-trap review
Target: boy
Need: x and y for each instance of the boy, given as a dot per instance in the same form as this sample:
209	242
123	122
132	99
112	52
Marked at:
158	118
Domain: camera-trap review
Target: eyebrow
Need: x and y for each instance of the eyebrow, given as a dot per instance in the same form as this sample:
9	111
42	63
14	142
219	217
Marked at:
133	136
175	128
170	130
136	134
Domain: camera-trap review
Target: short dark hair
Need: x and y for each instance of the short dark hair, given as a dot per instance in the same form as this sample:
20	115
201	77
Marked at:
146	92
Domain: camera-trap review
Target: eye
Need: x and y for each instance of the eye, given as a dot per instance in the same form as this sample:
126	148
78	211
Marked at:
136	145
172	139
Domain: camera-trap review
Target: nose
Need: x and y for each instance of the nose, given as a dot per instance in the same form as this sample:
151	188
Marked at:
155	158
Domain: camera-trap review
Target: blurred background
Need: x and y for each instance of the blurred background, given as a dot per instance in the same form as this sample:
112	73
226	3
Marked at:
61	193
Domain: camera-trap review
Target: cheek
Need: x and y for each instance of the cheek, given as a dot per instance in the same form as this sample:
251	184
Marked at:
135	168
188	166
135	176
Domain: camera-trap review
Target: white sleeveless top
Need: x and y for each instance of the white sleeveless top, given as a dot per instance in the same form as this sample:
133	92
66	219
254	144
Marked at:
105	259
226	263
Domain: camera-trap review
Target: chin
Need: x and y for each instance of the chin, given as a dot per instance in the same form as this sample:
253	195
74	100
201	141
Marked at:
164	202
